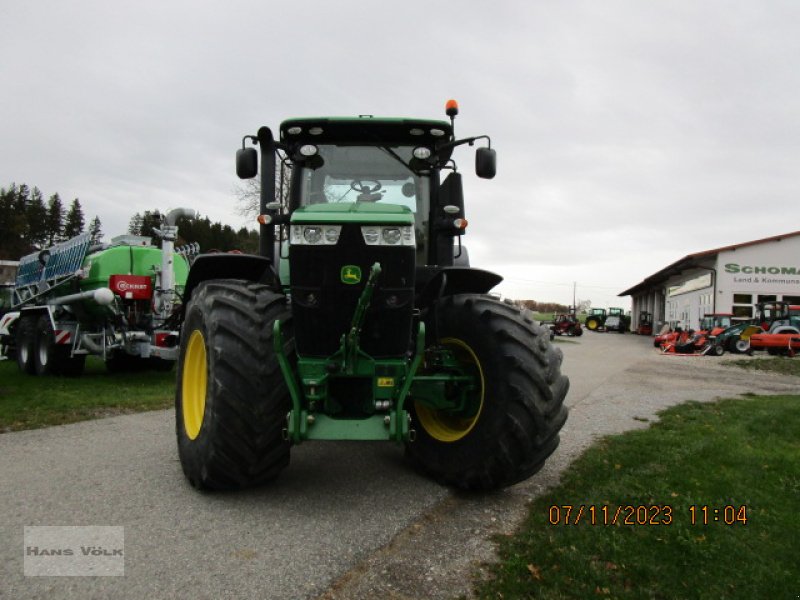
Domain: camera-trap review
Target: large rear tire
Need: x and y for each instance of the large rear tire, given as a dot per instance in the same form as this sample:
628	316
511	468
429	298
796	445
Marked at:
520	398
592	324
231	400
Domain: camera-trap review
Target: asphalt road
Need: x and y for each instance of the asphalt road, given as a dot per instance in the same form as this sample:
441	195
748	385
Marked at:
345	520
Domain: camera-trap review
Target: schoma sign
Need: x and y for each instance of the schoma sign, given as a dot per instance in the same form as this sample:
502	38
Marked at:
735	268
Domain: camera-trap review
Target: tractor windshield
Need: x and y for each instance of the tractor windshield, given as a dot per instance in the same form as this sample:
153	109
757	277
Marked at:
375	174
365	174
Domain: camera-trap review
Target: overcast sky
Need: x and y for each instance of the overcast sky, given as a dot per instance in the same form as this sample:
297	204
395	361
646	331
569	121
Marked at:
629	134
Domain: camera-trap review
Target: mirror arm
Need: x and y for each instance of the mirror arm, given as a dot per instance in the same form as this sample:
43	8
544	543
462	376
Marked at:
470	141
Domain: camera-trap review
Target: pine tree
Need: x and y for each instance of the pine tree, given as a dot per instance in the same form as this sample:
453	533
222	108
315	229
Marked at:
96	231
150	220
74	223
36	221
135	224
19	222
8	235
55	220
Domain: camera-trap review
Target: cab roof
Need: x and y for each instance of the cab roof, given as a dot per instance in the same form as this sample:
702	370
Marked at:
366	129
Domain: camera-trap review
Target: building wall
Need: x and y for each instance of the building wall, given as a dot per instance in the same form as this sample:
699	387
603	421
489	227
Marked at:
689	296
768	271
732	281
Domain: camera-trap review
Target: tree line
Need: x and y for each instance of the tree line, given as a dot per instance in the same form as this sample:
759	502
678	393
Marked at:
29	223
553	307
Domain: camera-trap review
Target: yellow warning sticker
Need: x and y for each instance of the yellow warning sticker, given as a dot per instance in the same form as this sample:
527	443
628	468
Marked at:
385	381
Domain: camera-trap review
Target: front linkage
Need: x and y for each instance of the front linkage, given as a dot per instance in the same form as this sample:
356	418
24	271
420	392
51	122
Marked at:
391	380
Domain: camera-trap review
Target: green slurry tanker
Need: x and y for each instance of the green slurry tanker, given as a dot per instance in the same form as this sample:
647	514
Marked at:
118	301
361	319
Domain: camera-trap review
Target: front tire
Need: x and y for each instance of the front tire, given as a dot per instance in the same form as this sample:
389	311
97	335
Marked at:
231	399
520	398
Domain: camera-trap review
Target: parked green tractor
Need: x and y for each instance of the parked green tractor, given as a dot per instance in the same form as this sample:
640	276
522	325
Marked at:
617	321
596	319
361	319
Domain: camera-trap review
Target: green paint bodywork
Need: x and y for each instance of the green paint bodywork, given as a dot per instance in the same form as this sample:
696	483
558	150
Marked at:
353	212
128	260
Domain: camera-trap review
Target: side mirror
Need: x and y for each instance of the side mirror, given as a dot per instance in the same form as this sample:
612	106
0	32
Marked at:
246	163
485	163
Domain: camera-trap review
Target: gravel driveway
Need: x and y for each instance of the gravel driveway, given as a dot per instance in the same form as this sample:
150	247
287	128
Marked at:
345	520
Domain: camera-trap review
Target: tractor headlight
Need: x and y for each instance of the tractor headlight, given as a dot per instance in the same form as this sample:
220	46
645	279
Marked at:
375	235
391	235
372	235
315	235
312	235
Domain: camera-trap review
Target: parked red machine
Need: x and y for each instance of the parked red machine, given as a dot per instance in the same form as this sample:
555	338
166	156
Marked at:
781	336
645	326
567	324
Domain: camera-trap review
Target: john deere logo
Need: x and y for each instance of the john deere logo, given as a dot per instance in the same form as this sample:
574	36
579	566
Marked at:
351	274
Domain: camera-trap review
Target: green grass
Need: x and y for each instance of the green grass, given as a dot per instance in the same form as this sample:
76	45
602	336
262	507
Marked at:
732	453
28	402
778	364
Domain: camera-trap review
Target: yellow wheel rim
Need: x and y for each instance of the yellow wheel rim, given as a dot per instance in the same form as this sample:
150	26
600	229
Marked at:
591	324
446	427
193	385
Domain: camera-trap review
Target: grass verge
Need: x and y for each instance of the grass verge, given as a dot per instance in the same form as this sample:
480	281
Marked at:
734	453
28	402
778	364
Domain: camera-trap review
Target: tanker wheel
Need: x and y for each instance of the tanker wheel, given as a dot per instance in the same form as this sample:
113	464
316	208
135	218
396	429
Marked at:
231	399
50	358
592	324
26	342
517	408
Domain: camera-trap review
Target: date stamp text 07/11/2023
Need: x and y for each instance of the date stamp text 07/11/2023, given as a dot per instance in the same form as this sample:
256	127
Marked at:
644	514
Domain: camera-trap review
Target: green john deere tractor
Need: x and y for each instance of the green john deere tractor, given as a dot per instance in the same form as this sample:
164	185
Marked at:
595	319
361	318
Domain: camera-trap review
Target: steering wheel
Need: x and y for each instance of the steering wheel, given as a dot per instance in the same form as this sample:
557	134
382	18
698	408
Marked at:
366	193
358	186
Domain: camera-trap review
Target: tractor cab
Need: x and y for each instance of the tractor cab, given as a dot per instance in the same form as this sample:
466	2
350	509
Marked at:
715	323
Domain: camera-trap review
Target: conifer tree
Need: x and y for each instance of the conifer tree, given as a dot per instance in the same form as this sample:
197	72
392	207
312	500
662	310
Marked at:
74	223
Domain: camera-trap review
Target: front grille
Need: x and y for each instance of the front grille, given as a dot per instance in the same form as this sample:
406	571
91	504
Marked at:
323	305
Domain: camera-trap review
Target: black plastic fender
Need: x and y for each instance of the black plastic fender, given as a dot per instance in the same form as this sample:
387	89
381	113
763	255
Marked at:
433	282
249	267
